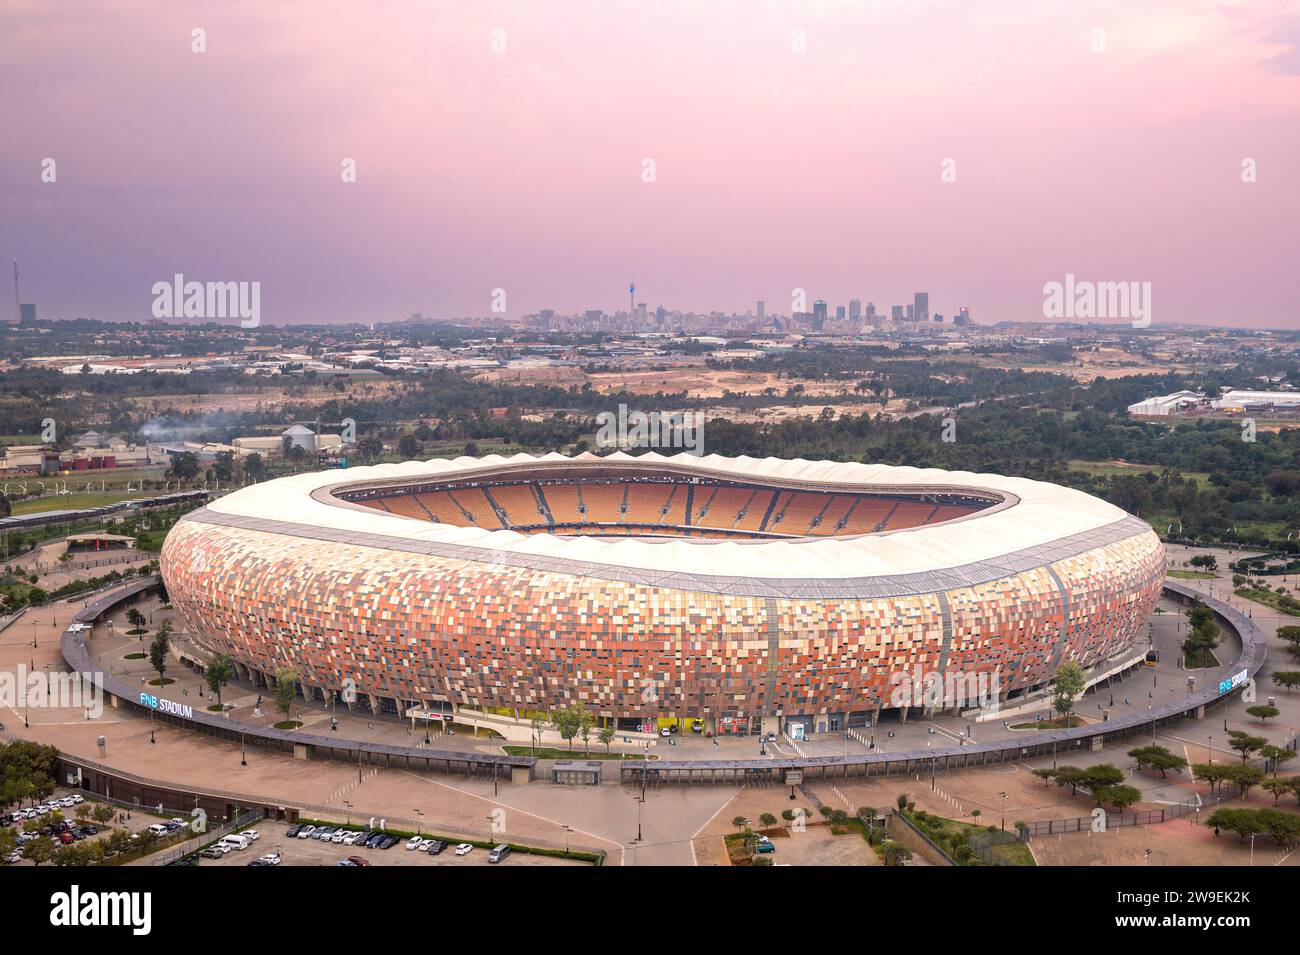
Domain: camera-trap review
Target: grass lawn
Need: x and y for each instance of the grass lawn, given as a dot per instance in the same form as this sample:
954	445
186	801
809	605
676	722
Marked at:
1192	575
1109	468
1058	723
1009	852
1268	598
72	502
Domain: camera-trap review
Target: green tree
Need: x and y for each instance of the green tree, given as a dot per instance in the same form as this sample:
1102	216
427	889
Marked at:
286	689
159	648
1157	757
218	672
568	723
1263	712
1245	744
606	736
1066	687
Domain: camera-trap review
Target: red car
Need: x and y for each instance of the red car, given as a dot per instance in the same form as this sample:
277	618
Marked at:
357	860
66	838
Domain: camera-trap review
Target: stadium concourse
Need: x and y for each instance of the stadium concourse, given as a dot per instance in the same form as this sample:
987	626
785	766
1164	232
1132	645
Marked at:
732	596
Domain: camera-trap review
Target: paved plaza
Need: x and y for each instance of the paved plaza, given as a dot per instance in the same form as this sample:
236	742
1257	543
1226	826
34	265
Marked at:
679	825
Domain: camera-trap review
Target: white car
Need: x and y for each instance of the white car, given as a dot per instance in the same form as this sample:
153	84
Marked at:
252	835
66	802
351	838
413	843
14	857
464	849
424	845
339	836
272	857
306	831
77	798
665	732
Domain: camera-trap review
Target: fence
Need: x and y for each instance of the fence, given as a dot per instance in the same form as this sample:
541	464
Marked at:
1118	820
189	847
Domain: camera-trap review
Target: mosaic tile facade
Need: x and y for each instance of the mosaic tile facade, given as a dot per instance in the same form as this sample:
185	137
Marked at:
416	627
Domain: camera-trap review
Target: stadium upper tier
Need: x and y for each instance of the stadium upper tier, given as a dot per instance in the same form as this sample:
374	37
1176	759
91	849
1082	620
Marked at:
742	517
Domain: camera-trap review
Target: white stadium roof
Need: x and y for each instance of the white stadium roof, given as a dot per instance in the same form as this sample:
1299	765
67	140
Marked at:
1034	514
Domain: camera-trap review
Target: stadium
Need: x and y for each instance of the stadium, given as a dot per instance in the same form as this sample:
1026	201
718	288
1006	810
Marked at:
736	594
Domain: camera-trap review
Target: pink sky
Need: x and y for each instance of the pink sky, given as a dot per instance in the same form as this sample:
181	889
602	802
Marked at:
775	169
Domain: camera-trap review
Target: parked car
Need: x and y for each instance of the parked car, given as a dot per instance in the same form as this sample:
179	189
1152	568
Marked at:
14	857
464	849
350	839
346	863
413	843
293	830
436	846
271	858
90	829
664	732
389	842
305	832
339	836
235	841
499	853
158	829
212	852
252	835
66	838
357	860
373	841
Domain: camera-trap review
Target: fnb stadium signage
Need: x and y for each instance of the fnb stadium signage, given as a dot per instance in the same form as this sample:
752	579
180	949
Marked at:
1234	681
166	706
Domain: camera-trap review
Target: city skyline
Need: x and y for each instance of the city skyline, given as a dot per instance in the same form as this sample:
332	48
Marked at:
849	151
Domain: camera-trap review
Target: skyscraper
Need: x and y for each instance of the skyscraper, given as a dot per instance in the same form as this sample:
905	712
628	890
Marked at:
921	306
819	313
761	311
855	309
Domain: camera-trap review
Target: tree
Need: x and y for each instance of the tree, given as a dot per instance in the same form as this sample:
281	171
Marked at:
1244	778
1066	687
894	853
135	618
740	822
1278	754
1244	822
1287	678
1212	773
1278	787
255	467
606	736
40	849
102	813
1121	797
568	723
1263	712
768	820
1244	743
158	650
286	689
1045	773
1157	757
218	672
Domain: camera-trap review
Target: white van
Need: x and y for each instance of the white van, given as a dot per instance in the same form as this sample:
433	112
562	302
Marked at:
158	830
235	841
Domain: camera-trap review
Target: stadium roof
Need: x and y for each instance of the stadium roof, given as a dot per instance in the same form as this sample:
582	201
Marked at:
1036	523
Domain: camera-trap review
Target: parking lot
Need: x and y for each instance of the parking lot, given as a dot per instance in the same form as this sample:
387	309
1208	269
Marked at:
274	837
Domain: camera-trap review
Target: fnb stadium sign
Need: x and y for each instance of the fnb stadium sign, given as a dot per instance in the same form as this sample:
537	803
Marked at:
166	706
